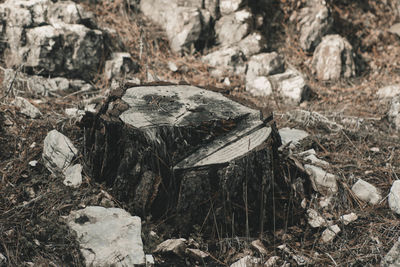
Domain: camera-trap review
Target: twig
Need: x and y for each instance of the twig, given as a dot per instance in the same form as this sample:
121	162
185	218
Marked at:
12	82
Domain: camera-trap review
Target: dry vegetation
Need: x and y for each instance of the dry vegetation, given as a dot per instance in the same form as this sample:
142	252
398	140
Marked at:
32	200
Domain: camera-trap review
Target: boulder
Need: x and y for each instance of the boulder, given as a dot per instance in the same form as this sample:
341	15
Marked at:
108	236
291	85
366	192
234	27
333	59
233	58
394	197
184	25
227	7
43	86
264	64
120	65
61	43
322	181
314	21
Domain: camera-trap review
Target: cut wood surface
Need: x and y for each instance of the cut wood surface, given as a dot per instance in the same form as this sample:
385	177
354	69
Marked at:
185	153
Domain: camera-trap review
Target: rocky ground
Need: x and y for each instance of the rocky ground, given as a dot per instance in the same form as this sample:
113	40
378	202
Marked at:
349	108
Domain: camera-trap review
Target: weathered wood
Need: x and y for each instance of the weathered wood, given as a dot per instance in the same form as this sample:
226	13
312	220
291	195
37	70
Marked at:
186	153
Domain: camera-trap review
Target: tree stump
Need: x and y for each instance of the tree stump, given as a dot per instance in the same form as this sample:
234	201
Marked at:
186	154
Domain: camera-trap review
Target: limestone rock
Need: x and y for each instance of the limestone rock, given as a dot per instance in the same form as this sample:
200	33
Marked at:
265	64
59	43
233	58
41	85
322	181
119	65
392	258
330	233
314	21
27	108
176	246
394	197
227	7
232	28
259	86
348	218
73	176
389	91
333	59
394	112
247	261
58	151
294	136
183	24
366	192
291	85
108	236
316	220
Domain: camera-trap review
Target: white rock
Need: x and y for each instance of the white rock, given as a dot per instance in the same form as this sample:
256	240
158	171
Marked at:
394	197
389	91
374	149
73	176
259	86
366	192
290	84
227	7
27	108
176	246
172	66
307	153
33	163
58	151
108	236
395	29
314	160
149	260
394	112
324	202
247	261
232	28
333	59
330	233
265	64
119	65
348	218
292	135
322	181
392	258
315	220
272	261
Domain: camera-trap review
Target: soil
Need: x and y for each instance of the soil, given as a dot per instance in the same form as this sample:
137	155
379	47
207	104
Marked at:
33	201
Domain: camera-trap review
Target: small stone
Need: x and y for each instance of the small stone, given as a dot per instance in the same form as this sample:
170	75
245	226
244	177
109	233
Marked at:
226	81
314	160
315	220
258	245
394	112
366	192
176	246
322	181
149	260
389	91
259	86
33	145
247	261
119	65
73	176
227	7
291	85
348	218
172	66
27	108
330	233
272	261
265	64
392	258
293	136
394	197
33	163
395	29
374	149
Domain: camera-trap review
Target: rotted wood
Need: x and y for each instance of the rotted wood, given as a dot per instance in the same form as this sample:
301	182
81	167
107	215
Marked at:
187	154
